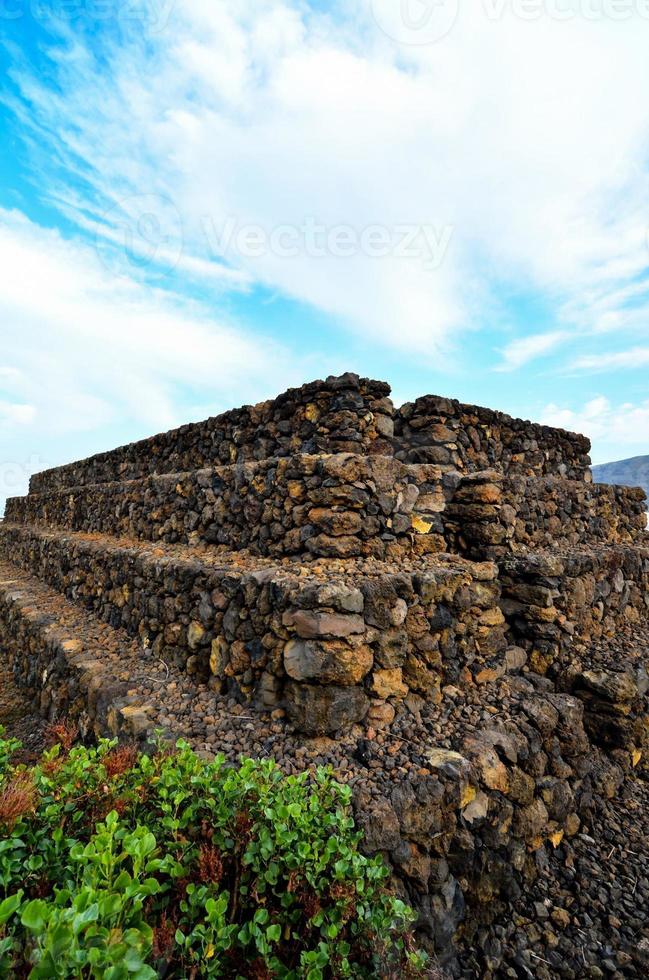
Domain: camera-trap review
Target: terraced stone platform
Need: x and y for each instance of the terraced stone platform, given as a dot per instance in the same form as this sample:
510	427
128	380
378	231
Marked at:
436	600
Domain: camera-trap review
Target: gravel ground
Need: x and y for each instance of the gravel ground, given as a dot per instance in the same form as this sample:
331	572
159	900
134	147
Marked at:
587	914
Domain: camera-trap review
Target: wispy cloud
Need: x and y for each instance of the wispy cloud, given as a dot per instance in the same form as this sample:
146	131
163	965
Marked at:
276	114
636	357
616	430
525	349
88	348
16	413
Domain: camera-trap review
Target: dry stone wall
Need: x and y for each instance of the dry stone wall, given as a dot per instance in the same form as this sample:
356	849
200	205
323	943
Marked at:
460	827
331	648
549	599
468	438
472	828
551	512
344	506
60	663
615	704
270	498
344	414
489	515
341	505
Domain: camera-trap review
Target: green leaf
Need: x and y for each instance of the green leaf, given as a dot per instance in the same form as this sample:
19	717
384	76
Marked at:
303	833
91	914
9	906
34	915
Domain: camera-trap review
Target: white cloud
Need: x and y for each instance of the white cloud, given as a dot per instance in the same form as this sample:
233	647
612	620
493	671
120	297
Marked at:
636	357
519	352
84	349
615	430
273	114
16	413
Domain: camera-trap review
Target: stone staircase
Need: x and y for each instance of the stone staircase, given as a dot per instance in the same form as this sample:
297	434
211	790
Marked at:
435	600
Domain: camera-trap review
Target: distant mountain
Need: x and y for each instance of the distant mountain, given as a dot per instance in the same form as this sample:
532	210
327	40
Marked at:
632	472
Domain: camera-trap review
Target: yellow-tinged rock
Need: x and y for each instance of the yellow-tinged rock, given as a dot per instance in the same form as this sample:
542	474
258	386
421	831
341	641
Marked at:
445	757
556	838
495	776
486	676
258	484
239	657
573	824
295	488
218	655
388	683
548	614
561	917
135	718
492	617
539	662
420	525
427	544
72	646
468	795
636	755
493	772
112	721
312	412
195	634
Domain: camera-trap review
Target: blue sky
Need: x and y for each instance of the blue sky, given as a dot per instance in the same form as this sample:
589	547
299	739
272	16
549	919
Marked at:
203	202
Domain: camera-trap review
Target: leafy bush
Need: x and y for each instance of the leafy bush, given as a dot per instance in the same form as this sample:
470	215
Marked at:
119	864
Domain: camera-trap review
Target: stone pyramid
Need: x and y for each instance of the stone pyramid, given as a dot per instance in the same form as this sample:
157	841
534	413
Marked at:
435	599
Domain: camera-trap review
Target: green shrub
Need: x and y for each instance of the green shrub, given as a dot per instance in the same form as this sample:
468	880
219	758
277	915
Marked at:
119	864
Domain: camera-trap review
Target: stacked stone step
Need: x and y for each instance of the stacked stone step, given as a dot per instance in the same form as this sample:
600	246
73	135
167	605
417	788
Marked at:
343	414
346	505
331	656
426	585
334	641
573	556
77	666
615	700
293	491
339	505
470	438
492	515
